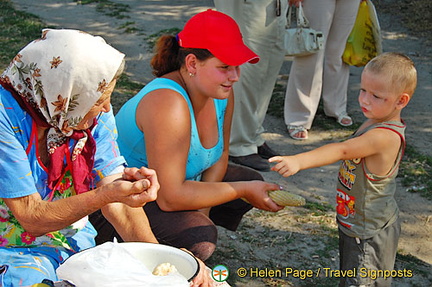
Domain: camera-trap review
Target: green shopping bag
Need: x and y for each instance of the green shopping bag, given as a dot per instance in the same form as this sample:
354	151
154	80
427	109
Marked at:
364	42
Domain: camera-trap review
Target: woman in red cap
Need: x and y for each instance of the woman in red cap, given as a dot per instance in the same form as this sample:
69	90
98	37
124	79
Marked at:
179	125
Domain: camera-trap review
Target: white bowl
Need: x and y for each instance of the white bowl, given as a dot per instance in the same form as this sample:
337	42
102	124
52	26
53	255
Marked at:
152	254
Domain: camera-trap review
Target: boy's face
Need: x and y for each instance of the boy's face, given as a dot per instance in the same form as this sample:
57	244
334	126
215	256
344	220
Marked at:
378	100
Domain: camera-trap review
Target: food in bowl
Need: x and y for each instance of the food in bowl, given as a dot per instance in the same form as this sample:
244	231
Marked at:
164	269
153	254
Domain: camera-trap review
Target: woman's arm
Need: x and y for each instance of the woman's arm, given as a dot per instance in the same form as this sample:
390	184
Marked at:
39	217
163	116
131	222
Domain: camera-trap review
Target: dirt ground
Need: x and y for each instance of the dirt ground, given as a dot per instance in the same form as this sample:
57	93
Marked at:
295	239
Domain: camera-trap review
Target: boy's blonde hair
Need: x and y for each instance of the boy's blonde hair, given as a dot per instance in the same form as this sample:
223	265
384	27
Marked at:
399	69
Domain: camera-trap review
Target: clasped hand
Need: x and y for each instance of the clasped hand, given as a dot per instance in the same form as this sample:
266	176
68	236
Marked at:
136	186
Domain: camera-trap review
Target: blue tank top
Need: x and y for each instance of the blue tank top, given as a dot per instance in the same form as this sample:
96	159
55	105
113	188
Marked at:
131	139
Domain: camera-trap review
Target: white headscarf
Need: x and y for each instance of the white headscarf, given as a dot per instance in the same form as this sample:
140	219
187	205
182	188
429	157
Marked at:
59	78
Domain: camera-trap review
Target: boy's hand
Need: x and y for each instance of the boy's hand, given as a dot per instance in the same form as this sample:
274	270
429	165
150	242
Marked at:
286	165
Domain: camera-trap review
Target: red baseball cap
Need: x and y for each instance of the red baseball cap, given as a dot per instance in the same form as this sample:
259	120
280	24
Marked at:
218	33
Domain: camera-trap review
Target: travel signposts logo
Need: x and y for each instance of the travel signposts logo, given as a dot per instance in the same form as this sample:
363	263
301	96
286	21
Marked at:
220	273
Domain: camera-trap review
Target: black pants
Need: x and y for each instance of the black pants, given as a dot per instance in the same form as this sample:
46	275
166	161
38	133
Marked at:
189	229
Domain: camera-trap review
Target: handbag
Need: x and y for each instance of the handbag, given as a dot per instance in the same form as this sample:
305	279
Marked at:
301	40
364	41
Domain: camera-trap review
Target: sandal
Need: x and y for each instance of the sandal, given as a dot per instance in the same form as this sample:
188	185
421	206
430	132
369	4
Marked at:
345	120
295	130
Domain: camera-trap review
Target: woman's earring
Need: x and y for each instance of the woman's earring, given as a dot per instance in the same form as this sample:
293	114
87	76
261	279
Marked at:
191	75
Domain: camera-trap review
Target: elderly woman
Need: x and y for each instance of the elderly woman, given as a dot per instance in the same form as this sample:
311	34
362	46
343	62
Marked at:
59	157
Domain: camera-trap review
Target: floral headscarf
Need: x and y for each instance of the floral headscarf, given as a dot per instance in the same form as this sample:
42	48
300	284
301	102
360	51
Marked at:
57	79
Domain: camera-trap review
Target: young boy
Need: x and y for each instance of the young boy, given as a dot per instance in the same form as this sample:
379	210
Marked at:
367	212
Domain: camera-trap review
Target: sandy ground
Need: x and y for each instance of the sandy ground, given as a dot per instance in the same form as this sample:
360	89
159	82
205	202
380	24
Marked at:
315	184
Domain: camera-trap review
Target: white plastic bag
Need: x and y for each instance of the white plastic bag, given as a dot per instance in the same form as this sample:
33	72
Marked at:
111	265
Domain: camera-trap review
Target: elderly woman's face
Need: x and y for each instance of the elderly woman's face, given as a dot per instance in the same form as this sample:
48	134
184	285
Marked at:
102	105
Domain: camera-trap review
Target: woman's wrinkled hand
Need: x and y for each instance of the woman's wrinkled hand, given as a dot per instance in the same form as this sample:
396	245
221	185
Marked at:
142	173
136	187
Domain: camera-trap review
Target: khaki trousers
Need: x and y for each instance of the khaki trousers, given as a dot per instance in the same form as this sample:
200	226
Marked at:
321	74
262	32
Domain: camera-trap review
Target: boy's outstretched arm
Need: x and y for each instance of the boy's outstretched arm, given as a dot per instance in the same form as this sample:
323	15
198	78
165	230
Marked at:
376	143
290	165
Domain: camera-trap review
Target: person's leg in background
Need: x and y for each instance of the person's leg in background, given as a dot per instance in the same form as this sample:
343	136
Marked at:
305	80
262	31
336	72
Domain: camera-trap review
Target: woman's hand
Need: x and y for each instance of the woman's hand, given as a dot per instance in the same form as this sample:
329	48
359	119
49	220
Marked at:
203	277
257	195
142	173
136	187
294	2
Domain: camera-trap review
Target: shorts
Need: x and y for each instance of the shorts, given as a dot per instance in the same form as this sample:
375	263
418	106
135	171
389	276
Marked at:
369	257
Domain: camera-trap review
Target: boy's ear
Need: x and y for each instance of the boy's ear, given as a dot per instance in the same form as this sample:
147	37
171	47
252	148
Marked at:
403	100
